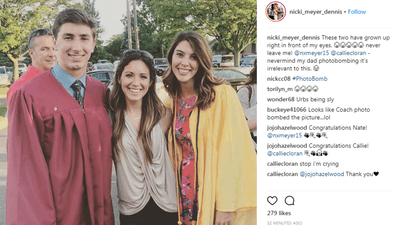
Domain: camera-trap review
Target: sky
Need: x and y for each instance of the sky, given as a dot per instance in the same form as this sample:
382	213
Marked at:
111	13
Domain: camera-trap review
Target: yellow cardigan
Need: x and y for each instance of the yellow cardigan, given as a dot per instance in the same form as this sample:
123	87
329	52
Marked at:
227	164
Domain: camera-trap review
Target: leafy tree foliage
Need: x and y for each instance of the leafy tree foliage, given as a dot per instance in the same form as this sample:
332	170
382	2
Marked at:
4	60
115	46
147	28
101	53
232	22
168	18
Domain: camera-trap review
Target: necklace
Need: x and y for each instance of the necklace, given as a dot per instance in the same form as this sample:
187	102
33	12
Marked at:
130	114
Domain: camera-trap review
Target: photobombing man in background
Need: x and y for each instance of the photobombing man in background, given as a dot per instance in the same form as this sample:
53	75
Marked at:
59	138
41	50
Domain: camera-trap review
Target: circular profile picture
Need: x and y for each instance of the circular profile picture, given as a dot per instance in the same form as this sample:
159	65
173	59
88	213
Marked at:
275	11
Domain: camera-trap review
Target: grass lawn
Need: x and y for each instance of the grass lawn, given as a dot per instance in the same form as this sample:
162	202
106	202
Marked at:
3	110
3	90
3	105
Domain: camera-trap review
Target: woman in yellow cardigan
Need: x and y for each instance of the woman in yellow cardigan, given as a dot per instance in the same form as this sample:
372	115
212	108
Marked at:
209	143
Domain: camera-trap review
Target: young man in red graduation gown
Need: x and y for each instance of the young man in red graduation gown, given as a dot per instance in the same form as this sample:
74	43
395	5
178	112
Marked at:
59	138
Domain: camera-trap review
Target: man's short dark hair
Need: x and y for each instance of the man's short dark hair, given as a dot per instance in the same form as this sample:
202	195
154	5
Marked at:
73	16
37	33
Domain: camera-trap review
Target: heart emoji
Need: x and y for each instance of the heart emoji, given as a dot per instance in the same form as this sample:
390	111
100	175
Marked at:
272	200
376	173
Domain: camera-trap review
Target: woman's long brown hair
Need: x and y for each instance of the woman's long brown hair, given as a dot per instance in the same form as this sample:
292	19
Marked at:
204	79
253	74
152	108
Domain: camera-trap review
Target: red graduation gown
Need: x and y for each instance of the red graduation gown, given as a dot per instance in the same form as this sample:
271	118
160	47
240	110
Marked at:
59	156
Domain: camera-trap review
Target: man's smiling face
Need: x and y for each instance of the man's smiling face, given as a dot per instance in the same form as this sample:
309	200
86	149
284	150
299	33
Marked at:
75	43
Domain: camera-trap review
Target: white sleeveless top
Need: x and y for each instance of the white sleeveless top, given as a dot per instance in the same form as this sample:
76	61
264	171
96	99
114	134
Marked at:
137	180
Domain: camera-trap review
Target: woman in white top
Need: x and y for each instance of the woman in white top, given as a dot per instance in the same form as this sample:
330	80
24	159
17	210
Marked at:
248	99
145	179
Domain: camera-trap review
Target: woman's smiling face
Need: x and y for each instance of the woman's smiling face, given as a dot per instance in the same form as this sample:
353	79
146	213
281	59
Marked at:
185	63
135	81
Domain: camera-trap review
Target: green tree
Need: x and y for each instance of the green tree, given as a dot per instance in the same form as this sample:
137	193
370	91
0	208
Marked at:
4	60
156	27
154	35
101	53
232	22
147	26
171	18
218	47
115	46
18	19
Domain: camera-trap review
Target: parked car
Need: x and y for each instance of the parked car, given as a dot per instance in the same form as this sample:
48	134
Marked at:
89	66
161	65
234	77
223	60
116	65
103	66
103	61
10	71
248	61
4	81
245	70
103	75
22	68
160	90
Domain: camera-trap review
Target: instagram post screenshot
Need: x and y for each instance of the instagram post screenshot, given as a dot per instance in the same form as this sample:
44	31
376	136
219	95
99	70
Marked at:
128	112
328	152
145	112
